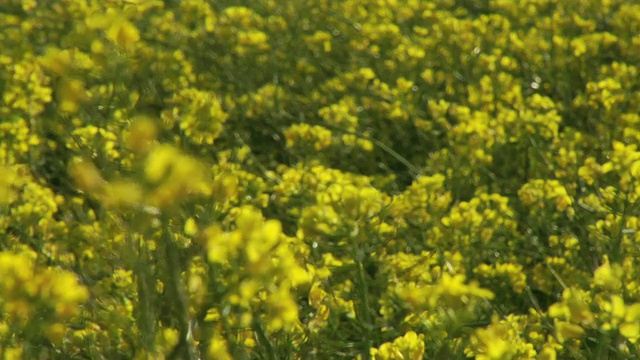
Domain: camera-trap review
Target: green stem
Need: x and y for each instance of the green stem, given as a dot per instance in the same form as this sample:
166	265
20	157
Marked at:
174	284
364	312
145	314
262	336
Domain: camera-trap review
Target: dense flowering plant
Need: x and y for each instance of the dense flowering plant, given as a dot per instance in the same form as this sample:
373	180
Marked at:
358	179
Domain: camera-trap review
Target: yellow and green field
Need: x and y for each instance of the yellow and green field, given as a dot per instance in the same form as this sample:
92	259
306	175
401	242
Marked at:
357	179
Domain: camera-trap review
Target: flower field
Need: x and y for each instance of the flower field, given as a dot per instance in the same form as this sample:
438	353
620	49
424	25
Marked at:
357	179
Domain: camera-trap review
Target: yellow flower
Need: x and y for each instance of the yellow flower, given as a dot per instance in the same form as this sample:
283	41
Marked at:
455	292
56	333
8	184
167	339
495	347
13	353
304	134
566	330
57	60
86	176
252	38
218	348
367	73
181	175
141	135
282	310
221	245
630	328
547	353
225	187
123	33
319	38
317	295
574	307
607	276
71	94
121	194
408	347
190	227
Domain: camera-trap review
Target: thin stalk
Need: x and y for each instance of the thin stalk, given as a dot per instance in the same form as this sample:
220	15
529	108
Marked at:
364	312
262	337
174	284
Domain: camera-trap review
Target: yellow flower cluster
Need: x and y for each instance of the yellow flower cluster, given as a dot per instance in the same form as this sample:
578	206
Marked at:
502	339
263	264
308	138
199	115
449	290
409	346
599	309
348	179
511	274
536	194
27	88
35	296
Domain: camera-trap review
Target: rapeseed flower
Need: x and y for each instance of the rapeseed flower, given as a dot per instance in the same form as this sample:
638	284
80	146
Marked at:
142	133
123	33
70	95
410	346
295	123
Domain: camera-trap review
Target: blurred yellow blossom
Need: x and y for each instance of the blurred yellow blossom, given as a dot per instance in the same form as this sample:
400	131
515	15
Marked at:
141	135
574	307
57	60
71	94
86	175
218	348
123	33
608	276
121	194
410	346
